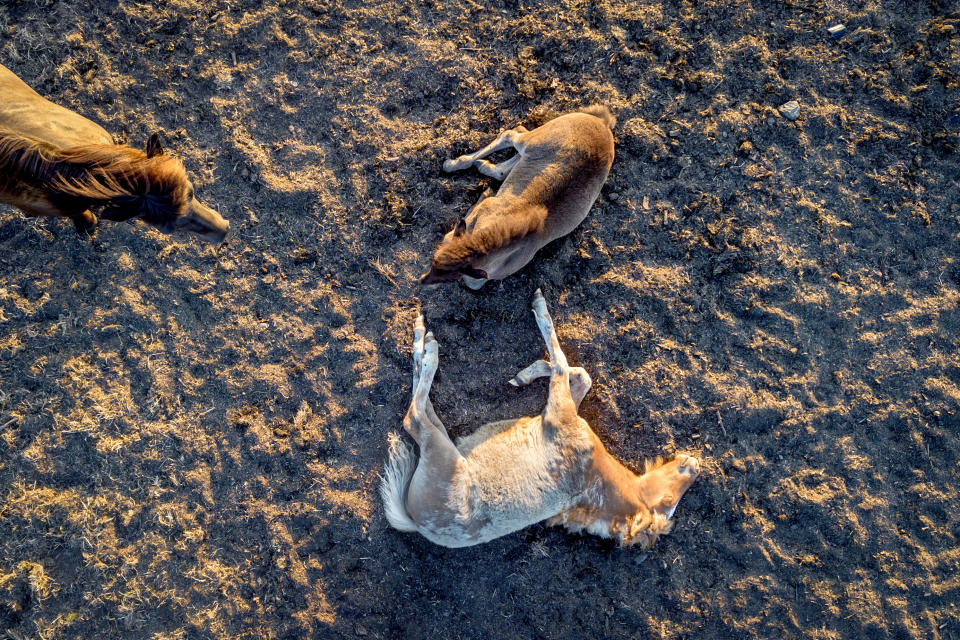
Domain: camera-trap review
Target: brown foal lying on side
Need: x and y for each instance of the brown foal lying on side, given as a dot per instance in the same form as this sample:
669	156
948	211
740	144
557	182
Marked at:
547	190
513	473
54	162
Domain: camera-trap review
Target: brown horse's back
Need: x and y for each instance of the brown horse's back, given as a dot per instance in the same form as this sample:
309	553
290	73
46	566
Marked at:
28	113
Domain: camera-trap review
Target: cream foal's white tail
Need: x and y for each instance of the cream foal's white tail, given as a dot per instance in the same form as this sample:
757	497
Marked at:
603	113
401	463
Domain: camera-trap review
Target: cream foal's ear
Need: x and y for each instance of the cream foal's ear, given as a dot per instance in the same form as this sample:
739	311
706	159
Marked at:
646	528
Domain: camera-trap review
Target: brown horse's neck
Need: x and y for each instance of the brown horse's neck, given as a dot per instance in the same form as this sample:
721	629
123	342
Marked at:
28	164
93	174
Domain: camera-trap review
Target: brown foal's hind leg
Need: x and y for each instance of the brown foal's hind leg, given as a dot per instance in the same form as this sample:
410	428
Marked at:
497	171
509	138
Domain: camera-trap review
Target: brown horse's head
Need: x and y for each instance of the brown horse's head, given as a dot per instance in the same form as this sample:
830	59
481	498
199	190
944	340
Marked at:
152	186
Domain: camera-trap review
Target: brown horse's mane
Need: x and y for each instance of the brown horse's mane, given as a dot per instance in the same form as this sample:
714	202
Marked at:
95	173
461	251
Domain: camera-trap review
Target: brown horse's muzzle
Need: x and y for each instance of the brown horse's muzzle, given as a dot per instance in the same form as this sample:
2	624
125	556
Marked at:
205	222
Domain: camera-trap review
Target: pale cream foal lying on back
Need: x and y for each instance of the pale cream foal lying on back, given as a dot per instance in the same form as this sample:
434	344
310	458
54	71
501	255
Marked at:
547	190
513	473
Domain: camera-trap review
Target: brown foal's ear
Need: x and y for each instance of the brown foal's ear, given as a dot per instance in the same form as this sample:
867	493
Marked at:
460	228
154	148
471	272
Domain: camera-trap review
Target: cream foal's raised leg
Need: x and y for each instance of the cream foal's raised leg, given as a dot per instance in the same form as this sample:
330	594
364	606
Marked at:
580	381
419	332
561	410
509	138
439	459
558	361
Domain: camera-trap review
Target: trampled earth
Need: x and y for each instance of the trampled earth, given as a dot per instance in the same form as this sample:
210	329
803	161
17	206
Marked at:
190	436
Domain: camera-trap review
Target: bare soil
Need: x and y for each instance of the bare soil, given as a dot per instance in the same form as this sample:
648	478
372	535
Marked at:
190	437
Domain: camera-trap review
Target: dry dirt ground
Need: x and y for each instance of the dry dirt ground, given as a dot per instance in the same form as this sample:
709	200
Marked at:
190	437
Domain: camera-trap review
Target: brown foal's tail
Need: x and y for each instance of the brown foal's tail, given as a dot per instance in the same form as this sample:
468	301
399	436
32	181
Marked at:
603	113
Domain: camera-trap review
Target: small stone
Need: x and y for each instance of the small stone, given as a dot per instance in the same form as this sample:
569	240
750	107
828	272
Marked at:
684	162
790	110
837	30
614	196
674	133
745	148
955	208
244	173
770	121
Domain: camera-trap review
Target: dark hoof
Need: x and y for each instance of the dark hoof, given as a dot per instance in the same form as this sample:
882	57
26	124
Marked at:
85	223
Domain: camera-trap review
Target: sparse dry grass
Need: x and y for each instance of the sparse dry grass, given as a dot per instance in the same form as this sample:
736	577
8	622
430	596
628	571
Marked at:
190	436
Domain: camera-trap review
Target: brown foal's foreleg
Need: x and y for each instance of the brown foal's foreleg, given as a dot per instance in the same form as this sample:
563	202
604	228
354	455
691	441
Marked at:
497	171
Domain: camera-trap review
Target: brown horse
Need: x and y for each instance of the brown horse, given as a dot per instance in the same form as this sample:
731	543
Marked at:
54	162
